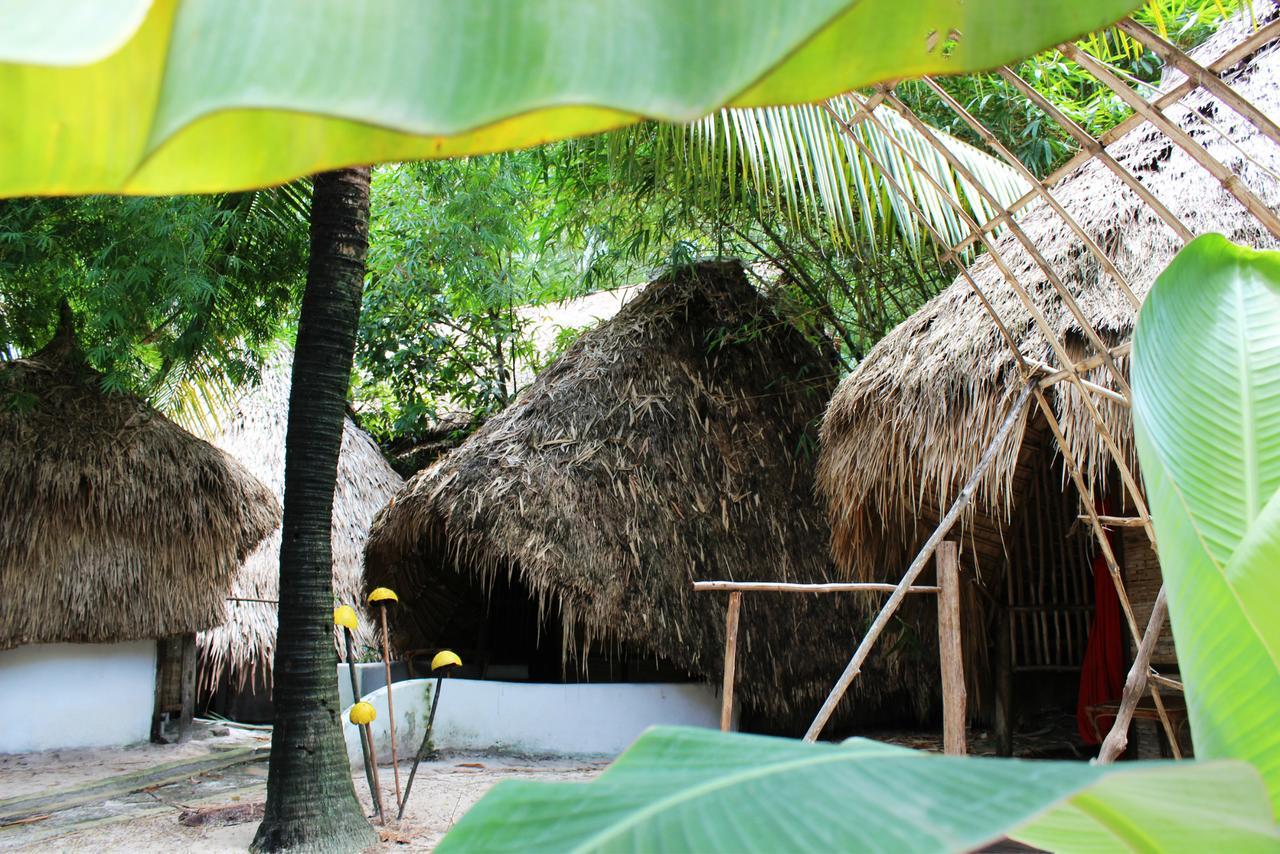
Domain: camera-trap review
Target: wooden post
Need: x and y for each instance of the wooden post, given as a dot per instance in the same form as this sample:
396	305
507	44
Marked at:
157	712
188	686
950	650
730	660
1004	683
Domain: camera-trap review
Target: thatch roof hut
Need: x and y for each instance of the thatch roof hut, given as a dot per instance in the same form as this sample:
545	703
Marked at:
671	443
906	429
116	523
241	648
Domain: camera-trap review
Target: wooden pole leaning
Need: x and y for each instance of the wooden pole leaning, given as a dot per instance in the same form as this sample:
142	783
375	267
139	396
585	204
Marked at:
950	650
1135	685
382	596
730	659
917	566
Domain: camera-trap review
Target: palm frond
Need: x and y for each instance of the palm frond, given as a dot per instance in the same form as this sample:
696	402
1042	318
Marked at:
800	161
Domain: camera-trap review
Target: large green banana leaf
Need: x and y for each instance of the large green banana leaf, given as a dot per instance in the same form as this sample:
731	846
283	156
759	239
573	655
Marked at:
681	789
1206	386
170	96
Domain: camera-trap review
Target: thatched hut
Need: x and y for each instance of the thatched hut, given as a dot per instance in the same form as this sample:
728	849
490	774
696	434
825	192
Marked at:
119	533
674	442
236	655
906	429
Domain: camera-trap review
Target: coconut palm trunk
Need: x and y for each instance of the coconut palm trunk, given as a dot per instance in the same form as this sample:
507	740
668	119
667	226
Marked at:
311	802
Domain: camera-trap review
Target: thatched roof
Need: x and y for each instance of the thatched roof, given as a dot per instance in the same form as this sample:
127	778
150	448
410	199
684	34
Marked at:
243	646
908	426
116	524
671	443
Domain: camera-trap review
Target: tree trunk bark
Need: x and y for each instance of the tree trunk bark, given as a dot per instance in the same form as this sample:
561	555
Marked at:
311	802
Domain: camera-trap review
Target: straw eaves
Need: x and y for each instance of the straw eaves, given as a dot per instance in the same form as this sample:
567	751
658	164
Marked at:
672	443
242	648
116	523
907	427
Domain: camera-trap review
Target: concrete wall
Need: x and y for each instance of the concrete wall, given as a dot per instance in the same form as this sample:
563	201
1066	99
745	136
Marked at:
64	695
527	717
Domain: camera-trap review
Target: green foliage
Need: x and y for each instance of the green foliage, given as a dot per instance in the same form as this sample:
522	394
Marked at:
175	297
457	247
206	95
1206	386
679	789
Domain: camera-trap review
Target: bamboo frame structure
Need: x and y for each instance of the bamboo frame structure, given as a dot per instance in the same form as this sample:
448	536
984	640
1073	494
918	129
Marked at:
949	645
1040	376
1070	371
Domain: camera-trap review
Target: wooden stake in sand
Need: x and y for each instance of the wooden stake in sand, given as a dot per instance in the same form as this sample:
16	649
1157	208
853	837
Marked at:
444	661
382	596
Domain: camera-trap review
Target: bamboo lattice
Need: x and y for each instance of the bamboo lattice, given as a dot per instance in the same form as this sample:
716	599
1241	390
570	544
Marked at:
1040	376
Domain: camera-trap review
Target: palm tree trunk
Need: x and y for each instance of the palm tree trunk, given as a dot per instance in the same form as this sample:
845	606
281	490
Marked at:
311	802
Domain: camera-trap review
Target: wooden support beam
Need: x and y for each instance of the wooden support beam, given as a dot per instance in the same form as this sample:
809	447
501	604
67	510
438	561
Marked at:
188	686
789	587
950	650
1135	685
1118	521
1004	684
730	660
917	566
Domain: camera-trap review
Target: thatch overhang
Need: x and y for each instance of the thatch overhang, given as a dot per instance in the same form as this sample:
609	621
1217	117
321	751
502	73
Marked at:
241	648
116	523
908	426
672	443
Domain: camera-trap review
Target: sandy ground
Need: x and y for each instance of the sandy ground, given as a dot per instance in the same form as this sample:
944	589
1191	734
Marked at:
148	821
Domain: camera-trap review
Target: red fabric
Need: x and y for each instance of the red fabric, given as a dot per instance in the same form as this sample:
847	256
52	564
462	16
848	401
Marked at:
1102	673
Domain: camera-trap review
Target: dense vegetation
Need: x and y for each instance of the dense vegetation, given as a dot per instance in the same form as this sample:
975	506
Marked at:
179	298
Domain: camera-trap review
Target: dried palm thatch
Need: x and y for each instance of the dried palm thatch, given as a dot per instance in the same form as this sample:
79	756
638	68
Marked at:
116	523
241	649
672	443
908	426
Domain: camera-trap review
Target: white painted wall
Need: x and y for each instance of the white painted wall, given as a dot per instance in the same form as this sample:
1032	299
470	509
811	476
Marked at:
528	717
61	695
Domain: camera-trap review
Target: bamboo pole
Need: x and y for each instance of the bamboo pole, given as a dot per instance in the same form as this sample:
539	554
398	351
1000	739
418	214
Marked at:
1085	365
1229	180
891	605
1090	147
1134	685
950	650
1037	187
730	659
391	712
790	587
1202	77
1097	149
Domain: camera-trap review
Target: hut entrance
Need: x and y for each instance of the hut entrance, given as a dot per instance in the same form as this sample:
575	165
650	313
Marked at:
1049	596
503	632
